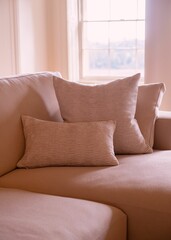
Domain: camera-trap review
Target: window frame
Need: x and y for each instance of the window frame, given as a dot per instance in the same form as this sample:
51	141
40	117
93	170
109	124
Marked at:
75	32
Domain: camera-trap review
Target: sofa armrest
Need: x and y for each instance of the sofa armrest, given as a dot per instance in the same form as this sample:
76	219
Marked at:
162	136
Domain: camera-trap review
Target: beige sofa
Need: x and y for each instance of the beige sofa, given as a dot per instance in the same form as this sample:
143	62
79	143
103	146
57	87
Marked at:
28	215
140	186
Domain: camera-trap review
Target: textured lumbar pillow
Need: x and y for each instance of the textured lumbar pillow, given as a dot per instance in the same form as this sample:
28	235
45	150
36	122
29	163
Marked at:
53	143
115	100
148	103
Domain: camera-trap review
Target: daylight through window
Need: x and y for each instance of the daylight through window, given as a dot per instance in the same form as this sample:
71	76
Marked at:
112	36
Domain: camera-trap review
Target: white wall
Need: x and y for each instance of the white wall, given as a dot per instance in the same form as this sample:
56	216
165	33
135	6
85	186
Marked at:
158	46
7	42
42	36
57	36
33	36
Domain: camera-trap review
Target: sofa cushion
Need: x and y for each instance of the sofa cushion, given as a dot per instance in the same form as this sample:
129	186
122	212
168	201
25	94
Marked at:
140	185
27	215
162	137
31	94
112	101
148	103
53	144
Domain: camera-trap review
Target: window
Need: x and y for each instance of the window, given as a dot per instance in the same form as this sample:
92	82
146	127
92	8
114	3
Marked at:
111	39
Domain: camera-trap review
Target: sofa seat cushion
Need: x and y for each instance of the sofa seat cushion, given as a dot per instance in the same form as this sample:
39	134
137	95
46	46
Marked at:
27	215
140	186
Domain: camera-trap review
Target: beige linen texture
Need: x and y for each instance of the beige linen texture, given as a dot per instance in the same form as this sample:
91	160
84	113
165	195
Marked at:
53	143
29	94
112	101
34	216
148	102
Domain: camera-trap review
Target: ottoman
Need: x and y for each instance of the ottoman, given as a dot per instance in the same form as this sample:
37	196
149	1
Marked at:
33	216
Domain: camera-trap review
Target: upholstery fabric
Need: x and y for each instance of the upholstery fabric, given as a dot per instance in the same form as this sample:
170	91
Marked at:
26	215
148	103
112	101
53	144
31	94
162	137
140	185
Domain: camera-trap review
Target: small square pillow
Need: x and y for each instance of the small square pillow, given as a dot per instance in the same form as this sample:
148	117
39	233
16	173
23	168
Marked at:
67	144
112	101
148	103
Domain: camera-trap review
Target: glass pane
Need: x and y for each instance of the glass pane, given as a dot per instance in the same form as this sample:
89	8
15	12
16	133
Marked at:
95	35
113	47
113	9
123	9
141	9
123	59
95	62
141	31
140	60
95	9
123	35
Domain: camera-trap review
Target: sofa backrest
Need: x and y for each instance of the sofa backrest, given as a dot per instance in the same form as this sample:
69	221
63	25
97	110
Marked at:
31	94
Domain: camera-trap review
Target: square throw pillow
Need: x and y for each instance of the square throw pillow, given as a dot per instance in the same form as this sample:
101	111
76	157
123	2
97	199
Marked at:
67	144
148	103
112	101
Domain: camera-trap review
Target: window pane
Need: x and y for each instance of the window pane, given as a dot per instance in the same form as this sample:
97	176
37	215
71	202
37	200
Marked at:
141	9
123	9
123	59
115	62
141	31
140	60
95	9
113	37
95	35
95	62
113	9
123	34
